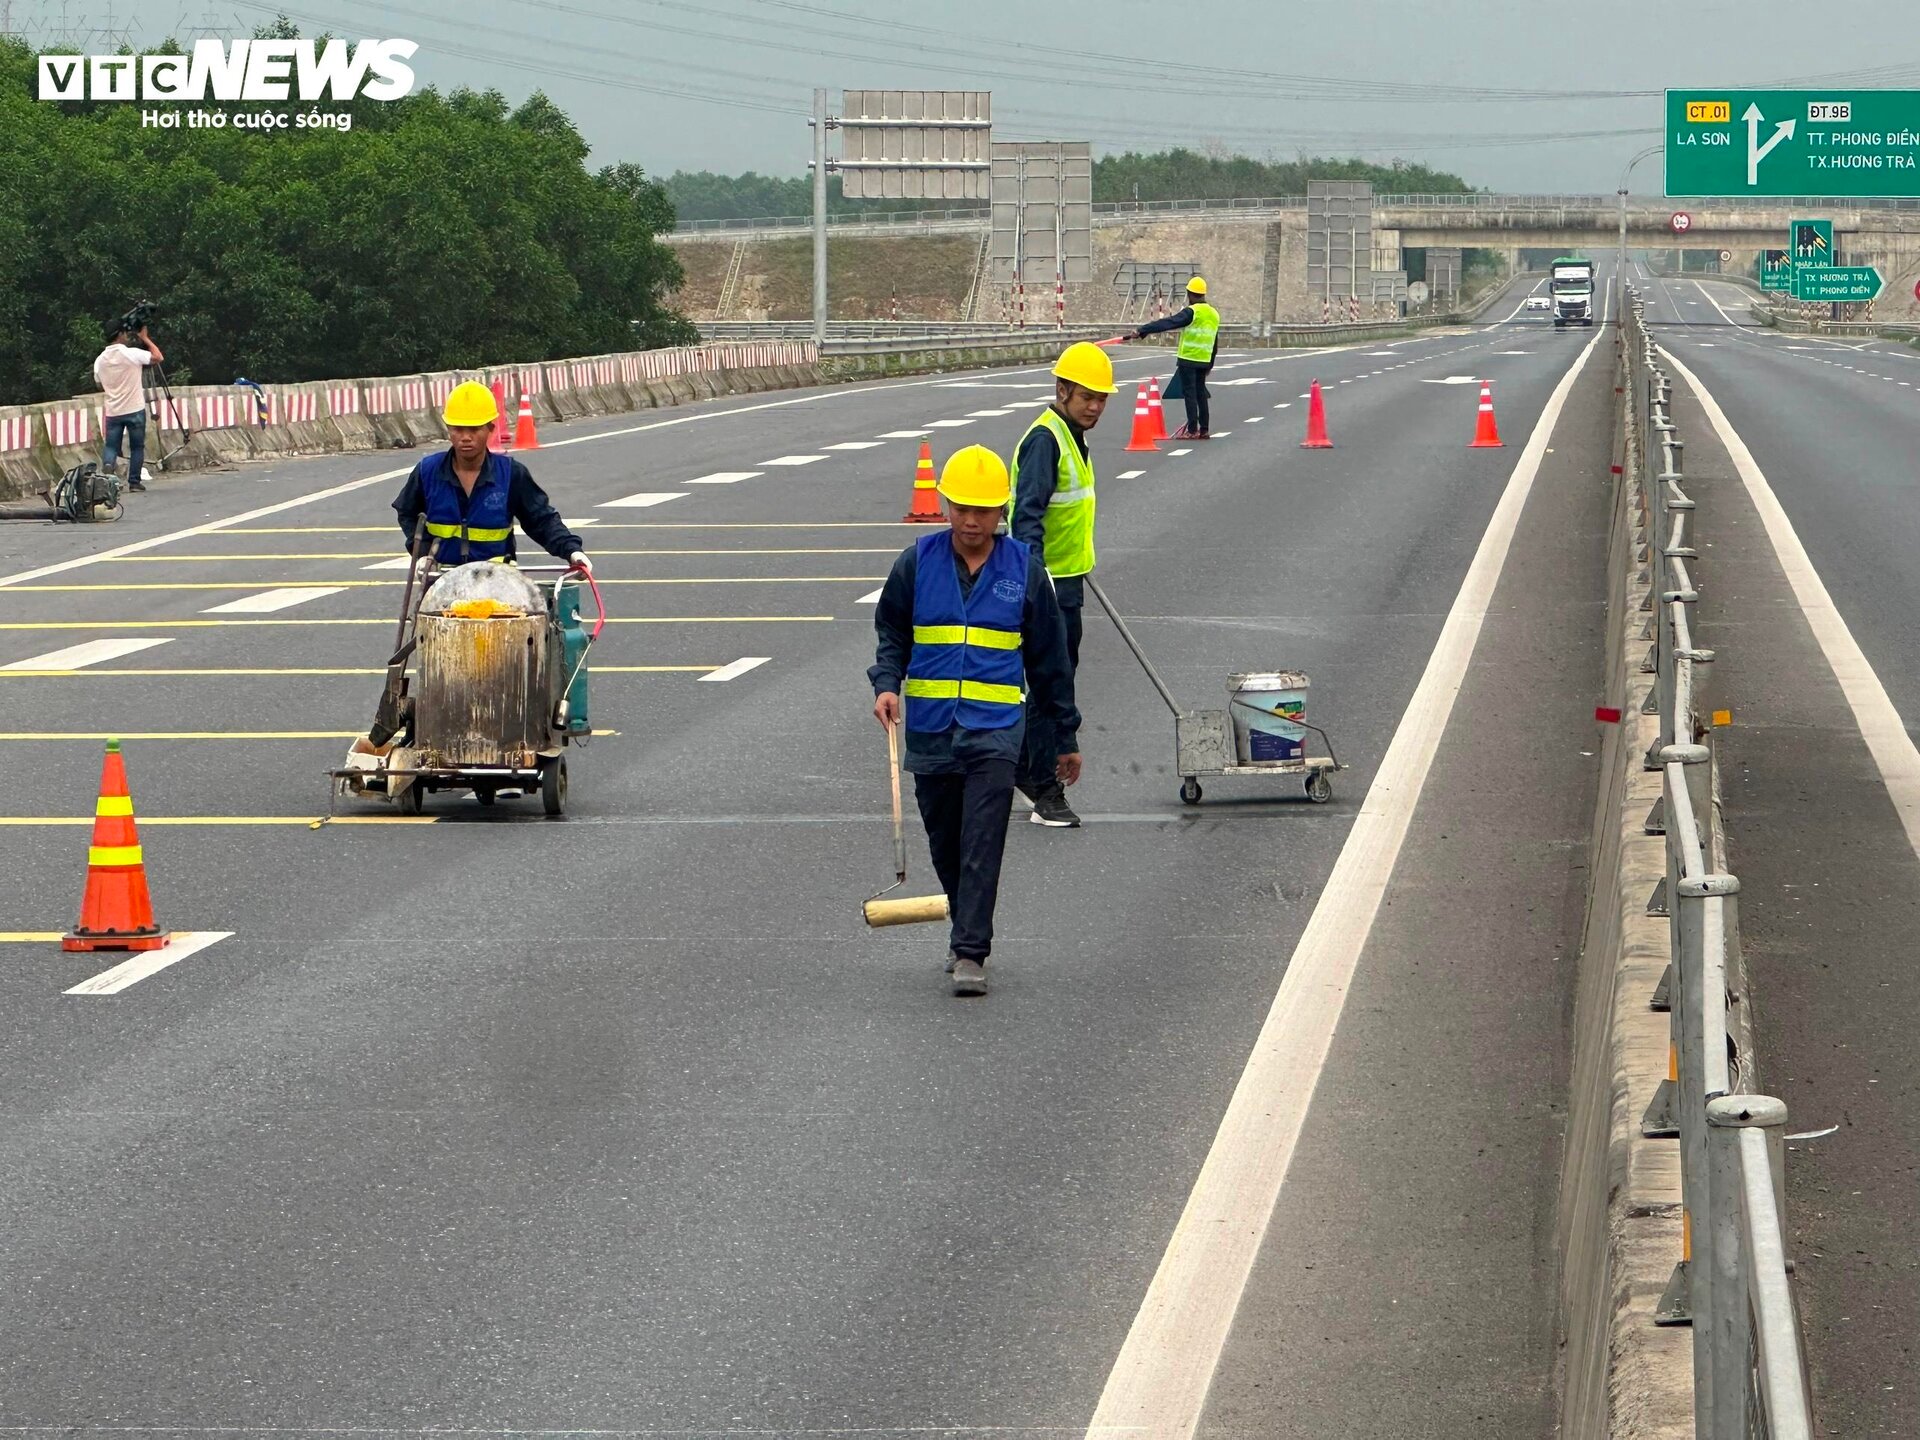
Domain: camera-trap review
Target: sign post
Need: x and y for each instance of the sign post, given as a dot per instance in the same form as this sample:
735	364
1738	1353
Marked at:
1843	141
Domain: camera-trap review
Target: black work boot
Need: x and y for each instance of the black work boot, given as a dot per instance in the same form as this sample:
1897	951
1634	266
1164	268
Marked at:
1051	808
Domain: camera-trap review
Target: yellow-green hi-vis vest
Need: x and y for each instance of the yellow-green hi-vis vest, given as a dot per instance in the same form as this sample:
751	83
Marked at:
1069	524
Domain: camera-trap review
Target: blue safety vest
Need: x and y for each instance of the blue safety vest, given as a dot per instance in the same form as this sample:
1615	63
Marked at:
485	531
965	668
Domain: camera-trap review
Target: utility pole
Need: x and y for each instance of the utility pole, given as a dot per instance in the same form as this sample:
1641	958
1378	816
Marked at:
819	123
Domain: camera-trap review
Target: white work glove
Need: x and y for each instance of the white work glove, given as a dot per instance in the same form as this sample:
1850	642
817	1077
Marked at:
579	561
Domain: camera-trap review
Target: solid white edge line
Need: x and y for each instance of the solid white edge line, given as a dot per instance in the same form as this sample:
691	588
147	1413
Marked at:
1716	304
143	963
1892	748
1159	1382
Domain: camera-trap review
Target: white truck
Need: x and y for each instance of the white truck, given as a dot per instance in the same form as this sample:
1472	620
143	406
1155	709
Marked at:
1571	284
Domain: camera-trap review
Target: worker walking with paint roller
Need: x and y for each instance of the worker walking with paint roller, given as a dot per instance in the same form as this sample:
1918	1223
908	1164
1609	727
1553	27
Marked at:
1053	509
966	623
1199	327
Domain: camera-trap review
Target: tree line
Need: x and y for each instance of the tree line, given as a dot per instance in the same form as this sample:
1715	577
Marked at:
439	231
1165	175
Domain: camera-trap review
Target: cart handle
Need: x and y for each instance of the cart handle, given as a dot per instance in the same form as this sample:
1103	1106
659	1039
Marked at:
599	620
1300	720
1134	645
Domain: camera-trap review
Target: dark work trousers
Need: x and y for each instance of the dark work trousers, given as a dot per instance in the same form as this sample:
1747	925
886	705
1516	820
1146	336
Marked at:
1193	390
1038	773
966	819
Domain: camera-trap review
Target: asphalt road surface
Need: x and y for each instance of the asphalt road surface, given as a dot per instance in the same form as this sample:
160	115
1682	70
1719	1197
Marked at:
624	1124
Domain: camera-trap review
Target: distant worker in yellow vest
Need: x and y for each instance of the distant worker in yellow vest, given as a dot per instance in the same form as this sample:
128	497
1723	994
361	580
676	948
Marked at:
1052	511
1199	326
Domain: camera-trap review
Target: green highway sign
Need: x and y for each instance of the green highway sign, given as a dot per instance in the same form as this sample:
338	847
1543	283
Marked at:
1835	282
1841	141
1776	270
1810	242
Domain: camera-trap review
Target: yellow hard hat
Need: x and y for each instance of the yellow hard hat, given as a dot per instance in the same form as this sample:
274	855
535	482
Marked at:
1196	286
1087	365
471	403
976	476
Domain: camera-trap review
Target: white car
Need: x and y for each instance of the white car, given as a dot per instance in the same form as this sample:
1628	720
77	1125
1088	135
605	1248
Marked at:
1539	302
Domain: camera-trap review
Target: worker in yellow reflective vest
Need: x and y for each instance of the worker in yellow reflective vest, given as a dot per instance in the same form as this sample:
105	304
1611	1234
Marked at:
970	653
472	498
1053	512
1199	327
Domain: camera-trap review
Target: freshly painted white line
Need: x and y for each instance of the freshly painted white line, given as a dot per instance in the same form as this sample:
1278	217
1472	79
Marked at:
988	414
793	460
871	598
405	562
1129	474
1158	1385
1892	748
1375	354
1284	405
143	963
854	445
74	657
1179	452
948	424
726	477
268	601
584	520
1219	434
742	665
644	499
1715	303
905	434
1255	419
1454	380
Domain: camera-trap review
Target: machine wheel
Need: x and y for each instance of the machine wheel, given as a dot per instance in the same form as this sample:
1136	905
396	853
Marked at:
1190	790
413	799
485	797
553	785
1319	788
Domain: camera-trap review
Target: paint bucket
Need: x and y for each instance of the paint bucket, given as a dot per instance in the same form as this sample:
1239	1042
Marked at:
1266	706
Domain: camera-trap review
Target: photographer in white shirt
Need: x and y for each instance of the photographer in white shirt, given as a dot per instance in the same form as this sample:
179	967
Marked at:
117	368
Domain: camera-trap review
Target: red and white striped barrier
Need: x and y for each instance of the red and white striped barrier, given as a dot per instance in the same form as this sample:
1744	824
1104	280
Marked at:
70	427
218	412
166	414
343	400
295	407
16	432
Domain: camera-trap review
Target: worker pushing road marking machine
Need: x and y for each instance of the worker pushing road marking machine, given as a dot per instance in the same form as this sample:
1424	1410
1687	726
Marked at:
501	663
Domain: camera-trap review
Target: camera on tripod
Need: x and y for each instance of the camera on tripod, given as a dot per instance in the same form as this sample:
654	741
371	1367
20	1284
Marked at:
137	319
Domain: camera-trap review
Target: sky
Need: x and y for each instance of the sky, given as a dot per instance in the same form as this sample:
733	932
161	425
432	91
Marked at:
1512	95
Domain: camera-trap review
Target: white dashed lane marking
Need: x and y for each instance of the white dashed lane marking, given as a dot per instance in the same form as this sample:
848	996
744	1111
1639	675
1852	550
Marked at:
91	653
268	601
793	460
725	477
645	498
737	668
988	414
854	445
905	434
1129	474
873	597
948	424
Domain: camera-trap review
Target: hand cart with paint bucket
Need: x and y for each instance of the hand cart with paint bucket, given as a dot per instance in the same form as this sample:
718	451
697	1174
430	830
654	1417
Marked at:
1262	732
502	687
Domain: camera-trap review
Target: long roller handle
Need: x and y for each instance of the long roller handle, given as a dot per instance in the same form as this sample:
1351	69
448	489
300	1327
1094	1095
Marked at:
1134	645
899	840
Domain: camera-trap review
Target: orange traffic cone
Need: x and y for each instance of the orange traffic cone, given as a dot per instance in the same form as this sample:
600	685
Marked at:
1142	423
115	913
926	500
1154	411
500	440
525	436
1486	434
1316	421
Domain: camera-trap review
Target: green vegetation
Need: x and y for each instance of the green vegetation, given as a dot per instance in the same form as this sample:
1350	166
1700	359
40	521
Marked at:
1167	175
440	231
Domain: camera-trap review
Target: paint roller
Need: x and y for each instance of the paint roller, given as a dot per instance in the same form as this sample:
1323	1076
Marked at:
908	909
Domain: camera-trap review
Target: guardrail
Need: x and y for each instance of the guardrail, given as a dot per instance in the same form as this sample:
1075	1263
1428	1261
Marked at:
882	337
1732	1283
980	214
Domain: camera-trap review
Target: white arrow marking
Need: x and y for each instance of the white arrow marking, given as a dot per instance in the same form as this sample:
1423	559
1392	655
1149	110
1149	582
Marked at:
1756	152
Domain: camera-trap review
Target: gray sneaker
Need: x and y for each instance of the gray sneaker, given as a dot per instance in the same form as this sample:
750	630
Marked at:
1052	809
952	960
969	977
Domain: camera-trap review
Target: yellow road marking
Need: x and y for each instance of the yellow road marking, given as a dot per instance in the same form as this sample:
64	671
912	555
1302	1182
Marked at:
42	821
368	584
603	525
378	620
118	674
30	937
197	735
